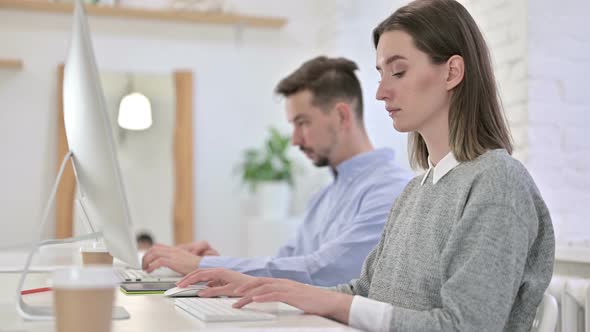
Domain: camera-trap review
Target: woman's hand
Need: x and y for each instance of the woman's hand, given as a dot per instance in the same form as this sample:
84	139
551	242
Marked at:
310	299
221	282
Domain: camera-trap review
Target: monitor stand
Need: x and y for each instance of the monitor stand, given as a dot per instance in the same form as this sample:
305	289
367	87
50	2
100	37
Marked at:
37	313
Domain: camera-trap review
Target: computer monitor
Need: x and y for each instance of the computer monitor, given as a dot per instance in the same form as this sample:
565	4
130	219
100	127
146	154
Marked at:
100	187
90	140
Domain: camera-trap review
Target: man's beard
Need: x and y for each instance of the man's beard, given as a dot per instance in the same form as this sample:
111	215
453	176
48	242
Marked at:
321	161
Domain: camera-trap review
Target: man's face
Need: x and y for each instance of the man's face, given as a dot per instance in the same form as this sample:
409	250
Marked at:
314	130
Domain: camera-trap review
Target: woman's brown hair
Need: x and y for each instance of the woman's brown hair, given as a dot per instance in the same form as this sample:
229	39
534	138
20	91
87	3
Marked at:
441	29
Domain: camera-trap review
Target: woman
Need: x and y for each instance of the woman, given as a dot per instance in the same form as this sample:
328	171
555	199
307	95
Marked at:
469	245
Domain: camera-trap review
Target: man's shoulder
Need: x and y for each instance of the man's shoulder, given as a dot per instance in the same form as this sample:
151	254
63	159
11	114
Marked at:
388	172
386	180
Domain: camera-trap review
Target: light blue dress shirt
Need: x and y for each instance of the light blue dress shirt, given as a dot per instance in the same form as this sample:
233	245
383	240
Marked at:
343	222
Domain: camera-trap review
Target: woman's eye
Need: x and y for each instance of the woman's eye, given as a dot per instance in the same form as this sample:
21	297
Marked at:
398	74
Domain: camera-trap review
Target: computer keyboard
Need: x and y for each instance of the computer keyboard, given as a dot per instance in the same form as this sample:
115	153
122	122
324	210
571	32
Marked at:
219	309
130	275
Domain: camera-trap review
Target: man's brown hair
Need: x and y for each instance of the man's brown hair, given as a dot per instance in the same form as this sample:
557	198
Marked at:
329	80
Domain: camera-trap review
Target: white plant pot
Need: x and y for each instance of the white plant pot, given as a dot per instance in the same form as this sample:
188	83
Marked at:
274	200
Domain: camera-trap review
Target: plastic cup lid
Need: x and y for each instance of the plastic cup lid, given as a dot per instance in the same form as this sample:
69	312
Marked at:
85	277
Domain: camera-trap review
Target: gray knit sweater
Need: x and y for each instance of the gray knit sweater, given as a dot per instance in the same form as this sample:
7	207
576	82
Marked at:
473	252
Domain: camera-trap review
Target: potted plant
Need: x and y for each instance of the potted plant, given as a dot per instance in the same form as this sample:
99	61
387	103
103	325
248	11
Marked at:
268	172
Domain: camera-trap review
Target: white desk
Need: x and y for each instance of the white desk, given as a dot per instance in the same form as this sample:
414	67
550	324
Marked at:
148	313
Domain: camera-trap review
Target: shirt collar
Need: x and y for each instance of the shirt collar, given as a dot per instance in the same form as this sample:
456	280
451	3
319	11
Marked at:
441	169
353	166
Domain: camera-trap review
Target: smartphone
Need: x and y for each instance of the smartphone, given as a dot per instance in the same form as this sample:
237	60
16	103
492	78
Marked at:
146	287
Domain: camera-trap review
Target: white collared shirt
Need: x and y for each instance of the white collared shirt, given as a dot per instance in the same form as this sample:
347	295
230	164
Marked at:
441	169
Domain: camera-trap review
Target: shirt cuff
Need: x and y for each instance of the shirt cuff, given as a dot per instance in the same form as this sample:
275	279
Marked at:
210	261
370	315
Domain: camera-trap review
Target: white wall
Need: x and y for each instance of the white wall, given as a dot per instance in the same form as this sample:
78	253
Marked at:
503	23
559	111
235	73
541	50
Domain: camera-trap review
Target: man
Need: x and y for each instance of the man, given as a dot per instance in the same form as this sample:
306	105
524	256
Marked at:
144	241
344	221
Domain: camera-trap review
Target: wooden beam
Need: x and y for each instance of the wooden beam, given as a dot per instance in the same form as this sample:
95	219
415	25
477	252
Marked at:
11	64
183	157
64	213
175	15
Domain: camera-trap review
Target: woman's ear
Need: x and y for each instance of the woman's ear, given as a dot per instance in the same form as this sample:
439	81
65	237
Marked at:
456	71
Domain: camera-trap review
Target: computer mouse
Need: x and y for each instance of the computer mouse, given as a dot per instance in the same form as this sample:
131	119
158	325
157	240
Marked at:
192	290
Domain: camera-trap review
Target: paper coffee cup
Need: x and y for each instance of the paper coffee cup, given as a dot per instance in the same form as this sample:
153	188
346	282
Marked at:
96	256
83	298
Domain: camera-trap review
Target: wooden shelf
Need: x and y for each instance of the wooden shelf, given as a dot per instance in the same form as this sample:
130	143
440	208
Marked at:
148	14
11	64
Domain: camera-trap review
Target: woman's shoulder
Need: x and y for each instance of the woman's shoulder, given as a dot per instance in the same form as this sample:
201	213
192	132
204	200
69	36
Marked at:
498	165
497	173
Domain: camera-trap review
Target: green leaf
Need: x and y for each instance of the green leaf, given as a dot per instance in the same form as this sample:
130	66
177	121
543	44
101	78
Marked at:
269	163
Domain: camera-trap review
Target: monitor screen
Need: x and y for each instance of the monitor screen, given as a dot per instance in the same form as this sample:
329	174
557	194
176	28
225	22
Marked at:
89	136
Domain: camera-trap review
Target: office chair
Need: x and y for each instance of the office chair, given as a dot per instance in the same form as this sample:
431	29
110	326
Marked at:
546	318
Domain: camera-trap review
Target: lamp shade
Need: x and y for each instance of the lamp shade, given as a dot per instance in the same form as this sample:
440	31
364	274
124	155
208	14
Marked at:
135	112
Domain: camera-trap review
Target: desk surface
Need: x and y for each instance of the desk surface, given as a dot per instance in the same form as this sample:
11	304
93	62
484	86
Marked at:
148	313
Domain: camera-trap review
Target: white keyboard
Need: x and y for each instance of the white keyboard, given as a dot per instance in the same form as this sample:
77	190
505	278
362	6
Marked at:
130	275
219	310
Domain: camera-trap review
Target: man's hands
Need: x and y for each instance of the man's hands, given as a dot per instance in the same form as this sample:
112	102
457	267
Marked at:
183	258
174	258
313	300
199	248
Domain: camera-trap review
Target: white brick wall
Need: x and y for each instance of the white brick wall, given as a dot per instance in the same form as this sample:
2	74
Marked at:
503	23
541	55
559	111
